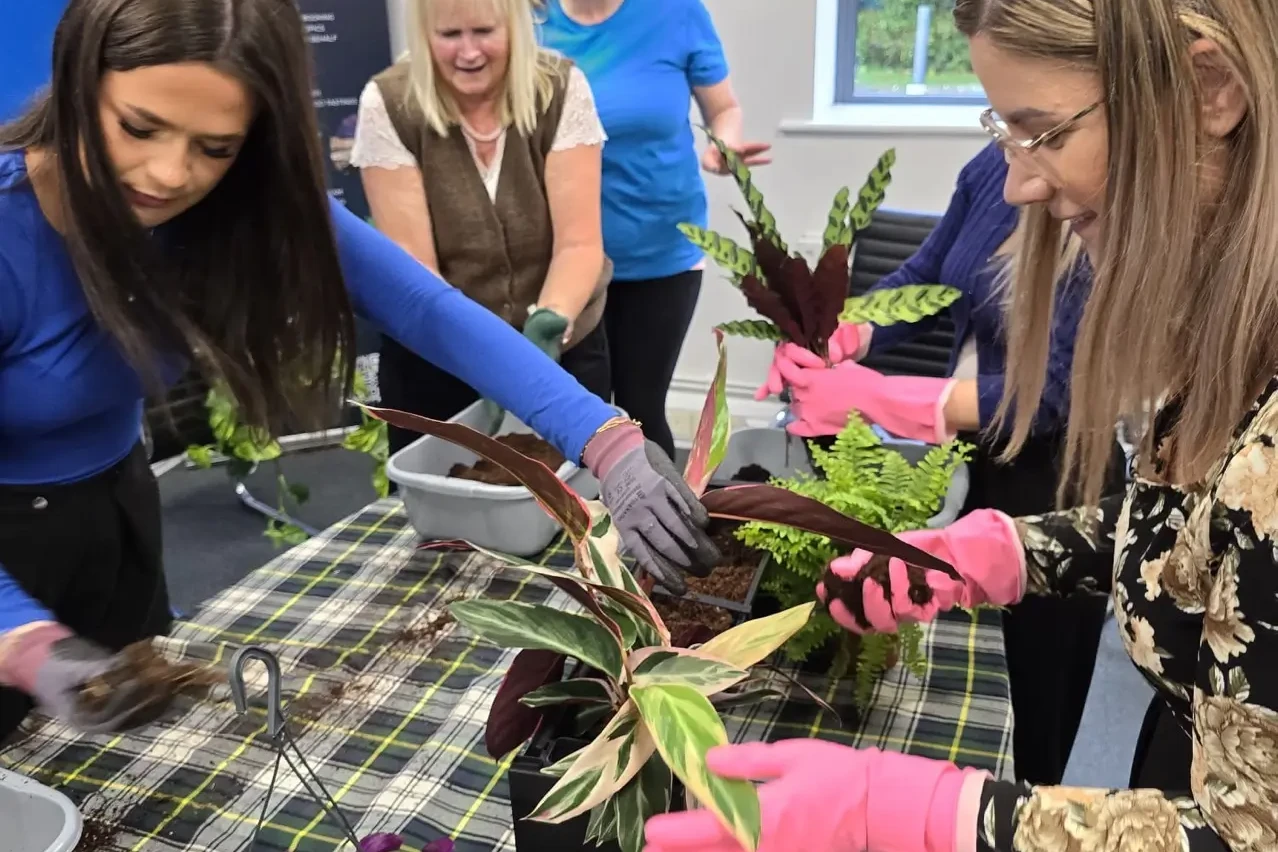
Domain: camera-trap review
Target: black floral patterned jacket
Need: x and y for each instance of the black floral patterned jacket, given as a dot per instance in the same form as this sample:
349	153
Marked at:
1194	577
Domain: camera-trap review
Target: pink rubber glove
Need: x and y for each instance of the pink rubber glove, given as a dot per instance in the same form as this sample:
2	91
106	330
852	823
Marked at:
825	797
908	406
983	548
849	342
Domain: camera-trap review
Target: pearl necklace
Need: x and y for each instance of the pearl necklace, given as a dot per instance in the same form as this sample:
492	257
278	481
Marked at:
480	137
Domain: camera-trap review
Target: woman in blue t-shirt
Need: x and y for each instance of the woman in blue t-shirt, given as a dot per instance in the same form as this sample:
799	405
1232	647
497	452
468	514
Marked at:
164	202
646	60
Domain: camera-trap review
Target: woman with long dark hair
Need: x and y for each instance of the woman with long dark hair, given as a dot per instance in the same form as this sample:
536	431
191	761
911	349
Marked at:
165	203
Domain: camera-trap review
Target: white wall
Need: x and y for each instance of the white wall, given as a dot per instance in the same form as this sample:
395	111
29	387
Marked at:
772	49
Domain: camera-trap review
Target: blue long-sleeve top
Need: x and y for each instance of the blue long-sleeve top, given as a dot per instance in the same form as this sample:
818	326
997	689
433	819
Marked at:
71	405
960	253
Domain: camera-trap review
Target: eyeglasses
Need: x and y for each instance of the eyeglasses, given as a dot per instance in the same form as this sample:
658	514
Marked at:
1026	150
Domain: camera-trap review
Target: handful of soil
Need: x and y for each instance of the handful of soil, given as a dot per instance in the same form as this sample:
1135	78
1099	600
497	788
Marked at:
691	622
161	679
528	444
852	592
752	473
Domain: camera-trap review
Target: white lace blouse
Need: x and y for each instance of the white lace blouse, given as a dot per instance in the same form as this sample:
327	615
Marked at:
377	145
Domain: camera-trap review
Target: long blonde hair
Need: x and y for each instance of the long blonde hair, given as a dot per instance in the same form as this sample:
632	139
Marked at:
1184	299
530	74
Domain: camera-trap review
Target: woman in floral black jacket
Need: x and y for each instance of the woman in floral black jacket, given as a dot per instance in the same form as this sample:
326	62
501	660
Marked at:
1147	127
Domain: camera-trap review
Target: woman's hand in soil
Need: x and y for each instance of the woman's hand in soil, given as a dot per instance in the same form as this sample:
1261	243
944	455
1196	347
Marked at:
52	665
825	797
662	523
865	593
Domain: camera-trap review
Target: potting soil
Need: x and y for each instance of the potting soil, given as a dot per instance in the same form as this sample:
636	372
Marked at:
526	443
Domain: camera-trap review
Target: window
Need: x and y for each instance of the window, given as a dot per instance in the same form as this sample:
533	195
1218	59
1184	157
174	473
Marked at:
902	51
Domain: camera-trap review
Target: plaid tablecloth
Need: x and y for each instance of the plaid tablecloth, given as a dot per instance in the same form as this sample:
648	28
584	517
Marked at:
392	716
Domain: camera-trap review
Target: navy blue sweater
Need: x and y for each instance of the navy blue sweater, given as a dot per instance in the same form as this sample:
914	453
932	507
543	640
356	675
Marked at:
959	253
71	405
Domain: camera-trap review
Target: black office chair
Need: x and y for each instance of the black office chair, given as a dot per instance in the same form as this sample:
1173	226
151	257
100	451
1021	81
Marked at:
888	241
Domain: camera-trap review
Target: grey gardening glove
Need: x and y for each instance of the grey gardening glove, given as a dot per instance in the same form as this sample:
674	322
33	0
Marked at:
50	664
662	523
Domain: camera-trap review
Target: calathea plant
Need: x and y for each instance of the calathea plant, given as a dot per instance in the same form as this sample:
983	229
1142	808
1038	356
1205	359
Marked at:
800	304
655	703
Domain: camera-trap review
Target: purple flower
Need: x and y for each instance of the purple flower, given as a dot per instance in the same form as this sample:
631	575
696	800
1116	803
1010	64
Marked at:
381	843
441	845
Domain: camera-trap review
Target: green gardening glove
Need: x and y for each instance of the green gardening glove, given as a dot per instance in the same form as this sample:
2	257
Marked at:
546	329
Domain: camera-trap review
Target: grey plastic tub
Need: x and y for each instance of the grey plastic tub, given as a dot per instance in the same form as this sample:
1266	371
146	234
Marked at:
36	818
503	518
785	456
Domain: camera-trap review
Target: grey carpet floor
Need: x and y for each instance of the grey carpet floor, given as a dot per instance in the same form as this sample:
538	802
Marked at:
211	540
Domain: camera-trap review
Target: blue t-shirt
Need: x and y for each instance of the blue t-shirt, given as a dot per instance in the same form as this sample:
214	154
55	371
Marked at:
643	64
71	405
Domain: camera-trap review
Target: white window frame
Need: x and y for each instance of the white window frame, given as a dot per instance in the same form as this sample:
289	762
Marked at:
871	116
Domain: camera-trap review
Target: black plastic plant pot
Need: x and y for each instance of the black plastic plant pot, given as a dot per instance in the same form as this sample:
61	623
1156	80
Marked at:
741	610
555	740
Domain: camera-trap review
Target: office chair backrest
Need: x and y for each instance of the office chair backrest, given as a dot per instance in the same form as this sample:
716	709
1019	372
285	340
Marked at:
888	241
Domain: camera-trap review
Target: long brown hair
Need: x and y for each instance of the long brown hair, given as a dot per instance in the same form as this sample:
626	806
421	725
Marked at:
1184	300
247	282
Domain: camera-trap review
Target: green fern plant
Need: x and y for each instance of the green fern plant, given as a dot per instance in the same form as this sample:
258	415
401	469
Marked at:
798	304
876	485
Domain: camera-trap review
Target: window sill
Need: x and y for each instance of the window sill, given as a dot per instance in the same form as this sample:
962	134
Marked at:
870	119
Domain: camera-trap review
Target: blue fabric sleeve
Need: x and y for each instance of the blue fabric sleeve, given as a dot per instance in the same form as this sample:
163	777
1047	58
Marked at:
707	64
1053	406
16	606
924	266
11	304
413	305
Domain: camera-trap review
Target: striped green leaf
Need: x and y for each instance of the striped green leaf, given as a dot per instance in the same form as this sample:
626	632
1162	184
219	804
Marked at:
645	796
685	726
907	303
722	250
763	218
632	599
514	624
755	640
752	328
603	821
653	666
579	690
873	192
600	769
837	230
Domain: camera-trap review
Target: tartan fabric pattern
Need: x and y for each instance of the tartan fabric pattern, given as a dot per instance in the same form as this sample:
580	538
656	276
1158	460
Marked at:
392	719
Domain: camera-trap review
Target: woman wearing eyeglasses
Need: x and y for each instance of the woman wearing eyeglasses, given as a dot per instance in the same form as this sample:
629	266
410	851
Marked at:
1051	642
1171	184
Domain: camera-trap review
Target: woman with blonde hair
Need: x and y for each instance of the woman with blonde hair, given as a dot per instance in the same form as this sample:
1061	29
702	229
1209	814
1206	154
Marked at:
1146	127
480	156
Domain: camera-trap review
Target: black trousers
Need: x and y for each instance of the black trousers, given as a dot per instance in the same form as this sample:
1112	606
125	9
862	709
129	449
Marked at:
410	383
1051	642
1163	753
647	322
91	552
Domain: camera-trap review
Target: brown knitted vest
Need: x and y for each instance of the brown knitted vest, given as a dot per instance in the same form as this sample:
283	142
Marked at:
496	252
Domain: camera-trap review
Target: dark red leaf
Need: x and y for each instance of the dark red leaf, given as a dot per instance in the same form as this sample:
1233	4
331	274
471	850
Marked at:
560	501
797	290
511	724
829	292
769	305
786	276
774	505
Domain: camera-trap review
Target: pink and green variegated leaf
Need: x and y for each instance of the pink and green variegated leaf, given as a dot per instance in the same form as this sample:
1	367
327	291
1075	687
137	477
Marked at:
554	495
702	672
600	769
514	624
711	441
633	603
755	640
685	726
